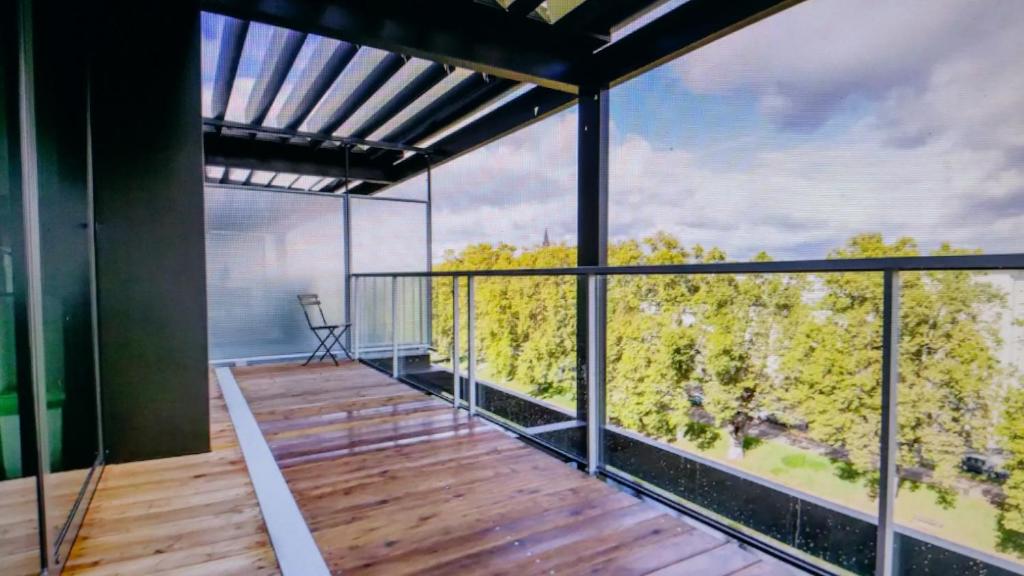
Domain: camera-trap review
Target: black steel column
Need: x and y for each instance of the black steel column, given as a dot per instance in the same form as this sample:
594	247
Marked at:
591	222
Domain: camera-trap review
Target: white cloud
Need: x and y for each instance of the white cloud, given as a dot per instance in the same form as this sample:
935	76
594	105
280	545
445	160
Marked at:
935	149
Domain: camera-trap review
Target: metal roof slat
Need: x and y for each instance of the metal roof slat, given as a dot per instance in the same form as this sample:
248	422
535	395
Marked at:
273	73
405	97
302	105
384	70
231	43
470	94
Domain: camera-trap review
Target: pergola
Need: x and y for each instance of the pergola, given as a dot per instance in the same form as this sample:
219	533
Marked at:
441	79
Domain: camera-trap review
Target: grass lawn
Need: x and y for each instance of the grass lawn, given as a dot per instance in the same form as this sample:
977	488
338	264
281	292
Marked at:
971	521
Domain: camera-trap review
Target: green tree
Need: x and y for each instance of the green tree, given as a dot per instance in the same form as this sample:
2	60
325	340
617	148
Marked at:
1011	433
744	328
948	366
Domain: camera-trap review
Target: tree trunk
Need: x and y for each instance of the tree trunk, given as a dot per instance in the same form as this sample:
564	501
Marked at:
735	447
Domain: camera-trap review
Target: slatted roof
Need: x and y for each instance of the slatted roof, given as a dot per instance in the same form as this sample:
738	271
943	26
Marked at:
311	94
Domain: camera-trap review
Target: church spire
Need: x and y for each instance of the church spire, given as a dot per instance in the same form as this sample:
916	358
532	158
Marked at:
547	241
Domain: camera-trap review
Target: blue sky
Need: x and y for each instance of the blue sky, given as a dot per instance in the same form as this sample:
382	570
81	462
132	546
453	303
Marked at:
904	117
832	118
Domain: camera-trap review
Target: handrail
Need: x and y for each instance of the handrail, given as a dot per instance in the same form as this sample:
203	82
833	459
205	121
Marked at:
894	264
593	308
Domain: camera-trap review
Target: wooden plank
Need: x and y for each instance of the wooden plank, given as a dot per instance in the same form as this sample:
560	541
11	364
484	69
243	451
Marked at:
394	482
187	515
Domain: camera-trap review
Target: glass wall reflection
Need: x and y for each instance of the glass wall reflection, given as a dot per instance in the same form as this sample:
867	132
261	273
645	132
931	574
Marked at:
66	376
19	519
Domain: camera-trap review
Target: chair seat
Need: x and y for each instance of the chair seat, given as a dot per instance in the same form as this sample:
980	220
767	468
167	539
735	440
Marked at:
330	326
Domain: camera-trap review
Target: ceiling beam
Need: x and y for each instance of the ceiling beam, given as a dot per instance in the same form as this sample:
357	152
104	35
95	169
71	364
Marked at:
531	107
300	103
684	29
232	41
463	99
258	154
457	33
273	73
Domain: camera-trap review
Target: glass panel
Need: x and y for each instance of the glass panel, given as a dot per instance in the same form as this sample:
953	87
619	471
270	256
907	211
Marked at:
263	249
66	385
388	236
373	321
752	397
960	501
19	521
434	369
526	357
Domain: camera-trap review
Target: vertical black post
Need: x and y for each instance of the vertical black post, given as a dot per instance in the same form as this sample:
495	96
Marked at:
592	225
346	220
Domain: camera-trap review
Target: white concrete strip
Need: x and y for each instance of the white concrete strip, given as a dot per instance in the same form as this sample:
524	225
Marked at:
297	552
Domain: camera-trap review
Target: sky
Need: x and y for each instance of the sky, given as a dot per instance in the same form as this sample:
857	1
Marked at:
829	119
833	118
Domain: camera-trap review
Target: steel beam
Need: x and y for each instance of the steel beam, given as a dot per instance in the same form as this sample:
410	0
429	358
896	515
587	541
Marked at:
592	239
592	177
451	32
533	106
686	28
463	99
262	154
232	41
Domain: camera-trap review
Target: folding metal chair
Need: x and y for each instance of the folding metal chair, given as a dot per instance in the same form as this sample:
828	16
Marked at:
332	332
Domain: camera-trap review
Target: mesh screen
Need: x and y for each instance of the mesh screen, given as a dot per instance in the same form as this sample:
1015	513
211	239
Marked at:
263	249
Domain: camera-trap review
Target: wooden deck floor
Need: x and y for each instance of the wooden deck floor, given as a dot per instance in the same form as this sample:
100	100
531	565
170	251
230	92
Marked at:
392	481
192	515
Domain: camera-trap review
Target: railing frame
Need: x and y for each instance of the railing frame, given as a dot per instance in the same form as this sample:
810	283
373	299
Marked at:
596	281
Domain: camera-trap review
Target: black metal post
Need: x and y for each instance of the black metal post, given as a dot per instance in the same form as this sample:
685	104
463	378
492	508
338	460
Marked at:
592	230
888	449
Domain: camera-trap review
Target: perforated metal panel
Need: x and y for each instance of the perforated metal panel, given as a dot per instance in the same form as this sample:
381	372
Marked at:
262	249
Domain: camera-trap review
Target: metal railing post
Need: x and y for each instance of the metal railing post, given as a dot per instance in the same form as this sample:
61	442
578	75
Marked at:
356	320
595	373
456	384
470	341
888	452
394	327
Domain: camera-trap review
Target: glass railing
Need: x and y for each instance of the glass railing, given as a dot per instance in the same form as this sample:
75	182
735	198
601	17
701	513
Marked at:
852	416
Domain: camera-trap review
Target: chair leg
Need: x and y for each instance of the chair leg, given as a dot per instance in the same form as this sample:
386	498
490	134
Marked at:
323	344
342	345
327	347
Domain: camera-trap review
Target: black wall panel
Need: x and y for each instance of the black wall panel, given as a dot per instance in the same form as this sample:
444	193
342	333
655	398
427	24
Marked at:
148	178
